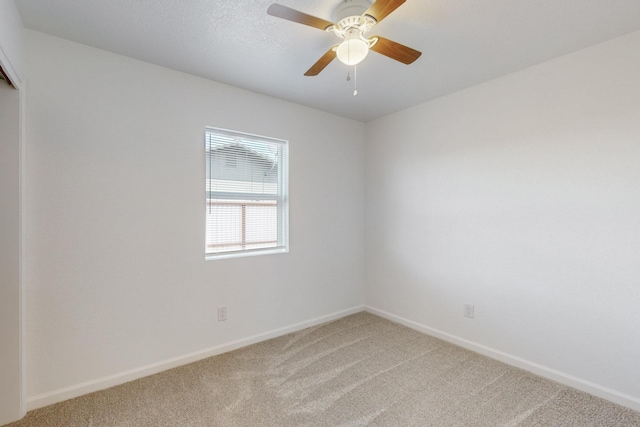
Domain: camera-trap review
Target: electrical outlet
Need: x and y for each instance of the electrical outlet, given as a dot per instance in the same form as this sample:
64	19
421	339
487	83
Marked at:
468	310
222	314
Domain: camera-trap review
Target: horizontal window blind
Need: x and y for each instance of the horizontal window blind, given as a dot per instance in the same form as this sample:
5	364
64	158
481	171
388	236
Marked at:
246	193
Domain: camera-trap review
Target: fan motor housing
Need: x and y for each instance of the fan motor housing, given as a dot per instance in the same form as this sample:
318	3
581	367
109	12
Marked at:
350	8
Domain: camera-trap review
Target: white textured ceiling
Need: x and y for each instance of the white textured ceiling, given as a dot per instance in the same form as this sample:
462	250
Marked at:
464	42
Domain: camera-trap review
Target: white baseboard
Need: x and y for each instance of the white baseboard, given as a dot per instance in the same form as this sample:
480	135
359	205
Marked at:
46	399
543	371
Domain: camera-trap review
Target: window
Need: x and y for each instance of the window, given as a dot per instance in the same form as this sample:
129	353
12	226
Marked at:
247	203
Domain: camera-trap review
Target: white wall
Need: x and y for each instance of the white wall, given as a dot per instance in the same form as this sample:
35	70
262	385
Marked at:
521	196
117	280
10	292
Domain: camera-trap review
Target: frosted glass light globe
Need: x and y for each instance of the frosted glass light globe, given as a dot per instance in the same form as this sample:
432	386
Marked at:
353	49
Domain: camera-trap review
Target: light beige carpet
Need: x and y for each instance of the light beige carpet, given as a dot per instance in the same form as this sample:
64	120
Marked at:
358	371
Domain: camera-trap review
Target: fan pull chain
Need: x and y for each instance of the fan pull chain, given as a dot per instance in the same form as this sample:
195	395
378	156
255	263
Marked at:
355	80
355	72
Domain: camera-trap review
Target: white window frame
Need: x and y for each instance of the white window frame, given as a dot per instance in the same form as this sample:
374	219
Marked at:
281	198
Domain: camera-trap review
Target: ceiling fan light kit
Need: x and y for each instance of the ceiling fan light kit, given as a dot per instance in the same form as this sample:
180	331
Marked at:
354	19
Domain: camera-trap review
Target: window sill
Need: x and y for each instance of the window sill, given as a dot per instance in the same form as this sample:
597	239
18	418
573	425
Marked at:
241	254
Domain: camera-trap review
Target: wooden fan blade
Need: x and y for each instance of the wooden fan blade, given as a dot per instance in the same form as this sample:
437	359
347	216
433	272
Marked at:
289	14
322	62
396	51
382	8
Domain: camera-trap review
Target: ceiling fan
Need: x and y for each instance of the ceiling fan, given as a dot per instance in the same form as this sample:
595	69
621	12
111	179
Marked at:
354	19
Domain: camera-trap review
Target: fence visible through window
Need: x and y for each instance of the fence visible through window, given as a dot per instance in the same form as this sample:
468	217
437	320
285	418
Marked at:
241	224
